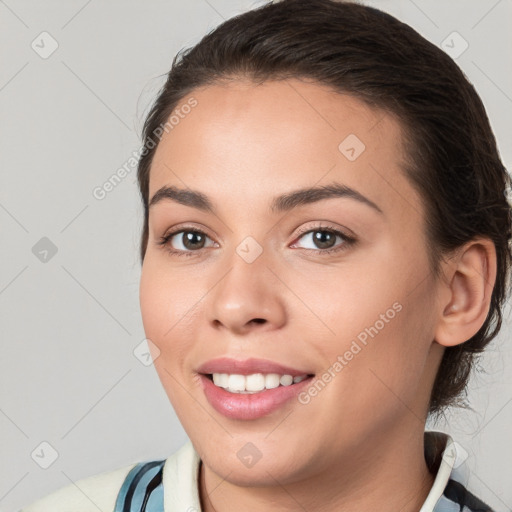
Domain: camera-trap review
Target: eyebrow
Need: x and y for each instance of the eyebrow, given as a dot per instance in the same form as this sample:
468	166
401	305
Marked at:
282	203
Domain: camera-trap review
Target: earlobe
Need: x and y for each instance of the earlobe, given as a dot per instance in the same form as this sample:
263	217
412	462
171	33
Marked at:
472	274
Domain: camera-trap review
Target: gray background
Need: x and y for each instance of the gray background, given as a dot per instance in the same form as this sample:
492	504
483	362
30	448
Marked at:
70	321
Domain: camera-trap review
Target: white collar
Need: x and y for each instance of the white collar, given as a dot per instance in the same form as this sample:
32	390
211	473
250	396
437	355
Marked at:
181	474
439	451
180	480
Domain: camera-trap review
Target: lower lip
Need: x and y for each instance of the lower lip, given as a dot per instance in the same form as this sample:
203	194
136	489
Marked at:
249	406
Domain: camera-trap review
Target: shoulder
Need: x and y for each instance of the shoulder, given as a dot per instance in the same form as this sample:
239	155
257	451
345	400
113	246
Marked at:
116	489
445	459
90	494
456	492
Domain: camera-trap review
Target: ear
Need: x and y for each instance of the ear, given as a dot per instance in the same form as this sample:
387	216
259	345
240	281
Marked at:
466	292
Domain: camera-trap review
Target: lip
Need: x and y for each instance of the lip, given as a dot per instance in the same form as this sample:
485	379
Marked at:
241	406
248	366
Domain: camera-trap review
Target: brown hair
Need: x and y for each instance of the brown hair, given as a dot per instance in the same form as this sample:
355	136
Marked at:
453	159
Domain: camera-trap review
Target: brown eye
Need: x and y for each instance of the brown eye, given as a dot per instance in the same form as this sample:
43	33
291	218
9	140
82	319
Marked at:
185	241
192	239
323	240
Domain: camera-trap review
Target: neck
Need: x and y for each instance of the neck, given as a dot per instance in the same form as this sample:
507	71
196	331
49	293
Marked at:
387	474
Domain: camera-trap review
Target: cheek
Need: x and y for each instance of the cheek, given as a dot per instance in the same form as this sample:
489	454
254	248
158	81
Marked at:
152	304
381	327
165	301
388	360
164	319
170	304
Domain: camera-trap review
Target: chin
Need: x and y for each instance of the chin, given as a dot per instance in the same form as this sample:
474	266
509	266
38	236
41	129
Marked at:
264	473
250	460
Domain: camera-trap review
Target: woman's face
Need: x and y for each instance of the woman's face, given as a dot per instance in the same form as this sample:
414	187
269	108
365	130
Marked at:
333	285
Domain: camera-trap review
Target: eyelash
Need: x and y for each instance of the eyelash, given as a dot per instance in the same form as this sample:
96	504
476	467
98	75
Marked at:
347	240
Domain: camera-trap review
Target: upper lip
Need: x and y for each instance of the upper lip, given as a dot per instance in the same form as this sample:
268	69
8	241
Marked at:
247	367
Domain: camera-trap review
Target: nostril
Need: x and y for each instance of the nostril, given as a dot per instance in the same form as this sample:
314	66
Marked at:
259	320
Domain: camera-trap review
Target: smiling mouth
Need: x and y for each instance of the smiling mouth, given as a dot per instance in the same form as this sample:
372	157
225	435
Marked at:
255	382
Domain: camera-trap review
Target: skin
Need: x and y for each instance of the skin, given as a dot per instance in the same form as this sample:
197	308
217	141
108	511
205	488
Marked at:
358	444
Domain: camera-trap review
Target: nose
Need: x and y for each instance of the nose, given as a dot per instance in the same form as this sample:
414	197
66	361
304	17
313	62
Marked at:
248	297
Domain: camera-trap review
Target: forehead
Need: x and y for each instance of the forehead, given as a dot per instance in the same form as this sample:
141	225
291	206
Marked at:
244	142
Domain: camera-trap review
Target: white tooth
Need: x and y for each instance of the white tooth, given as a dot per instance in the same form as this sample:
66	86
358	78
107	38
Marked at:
220	379
286	380
271	380
255	382
236	382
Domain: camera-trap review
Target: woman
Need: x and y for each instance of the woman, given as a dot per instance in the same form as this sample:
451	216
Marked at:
325	249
